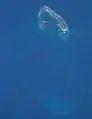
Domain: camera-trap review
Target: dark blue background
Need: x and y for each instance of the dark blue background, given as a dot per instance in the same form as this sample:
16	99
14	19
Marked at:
37	65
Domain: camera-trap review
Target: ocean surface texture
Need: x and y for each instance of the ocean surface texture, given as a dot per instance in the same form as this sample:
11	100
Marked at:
43	76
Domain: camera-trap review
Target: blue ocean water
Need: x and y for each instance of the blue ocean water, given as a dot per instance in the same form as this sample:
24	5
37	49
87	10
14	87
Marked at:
41	76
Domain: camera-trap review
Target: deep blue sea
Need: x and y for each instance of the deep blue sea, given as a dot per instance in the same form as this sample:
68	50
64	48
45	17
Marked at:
41	75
